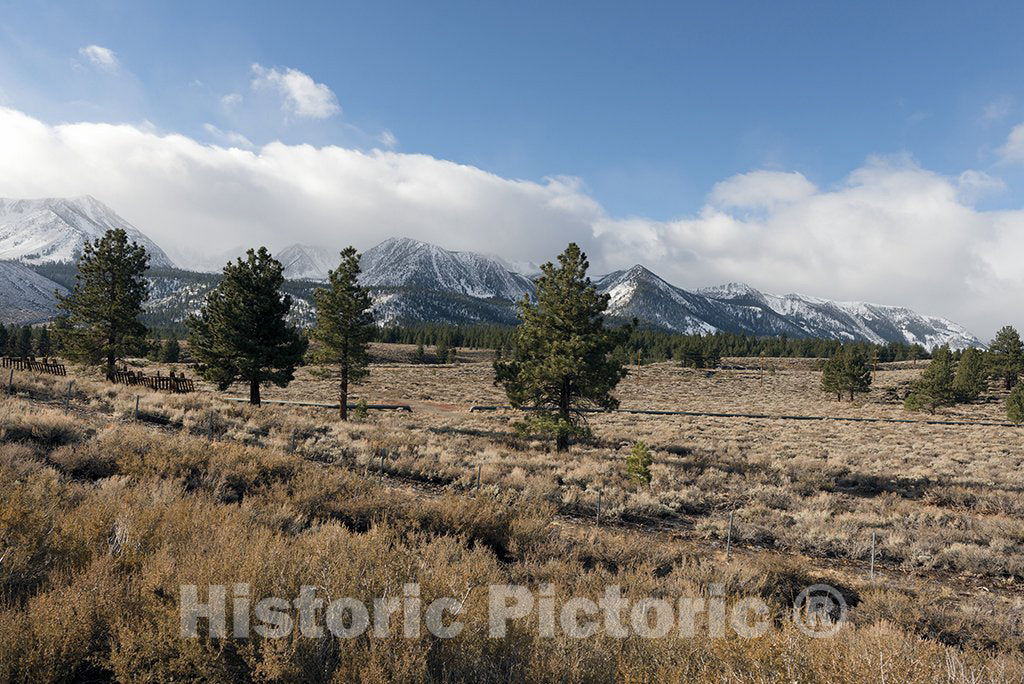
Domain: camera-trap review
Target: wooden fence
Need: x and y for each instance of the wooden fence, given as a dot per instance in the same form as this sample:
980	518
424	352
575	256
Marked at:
172	382
29	363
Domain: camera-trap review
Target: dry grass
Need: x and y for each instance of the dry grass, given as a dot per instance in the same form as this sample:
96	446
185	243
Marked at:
102	518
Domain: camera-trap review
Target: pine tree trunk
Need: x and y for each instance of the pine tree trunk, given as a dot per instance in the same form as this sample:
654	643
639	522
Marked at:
562	439
110	367
254	392
344	394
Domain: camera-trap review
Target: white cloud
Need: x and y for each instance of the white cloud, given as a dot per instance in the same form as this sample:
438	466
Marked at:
1013	150
388	139
303	96
761	190
230	101
99	56
973	185
996	110
228	137
891	232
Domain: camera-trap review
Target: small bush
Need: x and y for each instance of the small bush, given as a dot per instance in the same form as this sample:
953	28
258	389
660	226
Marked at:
360	412
638	463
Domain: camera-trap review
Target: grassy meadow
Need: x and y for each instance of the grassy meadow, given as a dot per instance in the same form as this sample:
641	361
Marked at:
104	514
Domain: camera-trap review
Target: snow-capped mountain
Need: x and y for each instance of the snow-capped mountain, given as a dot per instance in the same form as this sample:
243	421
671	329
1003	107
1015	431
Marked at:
824	318
639	293
412	281
54	230
26	296
305	262
405	263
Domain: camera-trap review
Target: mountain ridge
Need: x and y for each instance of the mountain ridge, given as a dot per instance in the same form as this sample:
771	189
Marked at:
414	281
55	229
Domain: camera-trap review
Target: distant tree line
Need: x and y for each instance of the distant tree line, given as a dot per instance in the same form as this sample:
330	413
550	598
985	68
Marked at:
26	340
653	346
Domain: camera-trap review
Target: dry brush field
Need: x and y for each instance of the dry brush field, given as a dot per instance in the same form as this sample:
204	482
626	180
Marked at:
104	516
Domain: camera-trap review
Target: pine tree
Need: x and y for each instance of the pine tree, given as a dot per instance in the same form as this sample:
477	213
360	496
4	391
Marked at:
3	339
344	324
831	376
970	380
935	386
25	341
421	353
241	332
855	370
1015	404
441	350
1006	356
170	350
42	342
104	306
563	354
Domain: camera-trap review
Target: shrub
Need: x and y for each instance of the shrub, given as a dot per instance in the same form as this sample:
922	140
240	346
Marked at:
45	429
361	412
638	463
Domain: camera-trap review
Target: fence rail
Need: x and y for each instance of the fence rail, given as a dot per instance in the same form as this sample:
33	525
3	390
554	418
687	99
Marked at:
31	364
175	383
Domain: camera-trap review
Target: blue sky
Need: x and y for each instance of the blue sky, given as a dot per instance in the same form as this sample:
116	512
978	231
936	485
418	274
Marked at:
650	104
644	114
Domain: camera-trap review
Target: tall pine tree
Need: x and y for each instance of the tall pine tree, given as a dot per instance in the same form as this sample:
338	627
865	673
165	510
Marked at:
241	333
103	309
562	360
970	380
344	324
935	386
1006	356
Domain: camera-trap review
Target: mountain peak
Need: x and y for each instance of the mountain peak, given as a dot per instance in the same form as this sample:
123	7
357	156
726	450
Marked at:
55	229
408	263
306	262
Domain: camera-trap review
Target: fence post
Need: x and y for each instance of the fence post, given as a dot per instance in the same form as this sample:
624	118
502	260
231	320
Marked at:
67	397
478	478
381	465
10	382
728	537
135	413
598	507
872	571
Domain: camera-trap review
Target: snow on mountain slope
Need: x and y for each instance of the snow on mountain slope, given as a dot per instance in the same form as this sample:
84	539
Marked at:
26	296
55	229
305	262
823	318
638	293
401	262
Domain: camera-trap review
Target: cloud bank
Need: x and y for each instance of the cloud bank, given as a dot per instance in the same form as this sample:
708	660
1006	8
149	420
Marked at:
891	232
